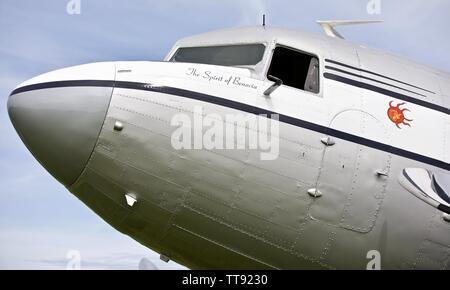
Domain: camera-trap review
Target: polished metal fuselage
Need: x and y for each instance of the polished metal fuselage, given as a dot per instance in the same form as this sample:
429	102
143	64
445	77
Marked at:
228	209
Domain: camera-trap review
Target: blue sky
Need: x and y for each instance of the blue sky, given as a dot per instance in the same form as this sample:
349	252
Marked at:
39	220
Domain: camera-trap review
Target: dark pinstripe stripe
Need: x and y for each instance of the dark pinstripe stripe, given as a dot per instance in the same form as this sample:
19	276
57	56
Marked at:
377	74
386	92
245	108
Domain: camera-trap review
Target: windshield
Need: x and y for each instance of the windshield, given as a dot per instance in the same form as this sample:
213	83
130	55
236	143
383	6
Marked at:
226	55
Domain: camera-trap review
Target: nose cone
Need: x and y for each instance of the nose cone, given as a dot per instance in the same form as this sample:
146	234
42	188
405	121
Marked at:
59	120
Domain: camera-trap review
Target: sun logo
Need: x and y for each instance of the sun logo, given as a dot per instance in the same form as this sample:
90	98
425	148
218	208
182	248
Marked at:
397	116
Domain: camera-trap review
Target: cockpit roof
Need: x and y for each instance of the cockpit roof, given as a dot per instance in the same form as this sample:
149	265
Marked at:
254	34
320	45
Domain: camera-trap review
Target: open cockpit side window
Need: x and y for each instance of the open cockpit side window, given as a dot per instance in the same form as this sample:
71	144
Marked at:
295	68
225	55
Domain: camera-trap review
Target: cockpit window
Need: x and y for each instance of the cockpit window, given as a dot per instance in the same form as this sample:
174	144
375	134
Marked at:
295	68
226	55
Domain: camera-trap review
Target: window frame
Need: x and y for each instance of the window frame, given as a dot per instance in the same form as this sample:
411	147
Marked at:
269	62
203	45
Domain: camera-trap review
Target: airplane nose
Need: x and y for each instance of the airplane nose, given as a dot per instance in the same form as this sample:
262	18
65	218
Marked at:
60	125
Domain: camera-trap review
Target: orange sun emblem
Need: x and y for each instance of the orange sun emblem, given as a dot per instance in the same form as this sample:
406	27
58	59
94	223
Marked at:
397	116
